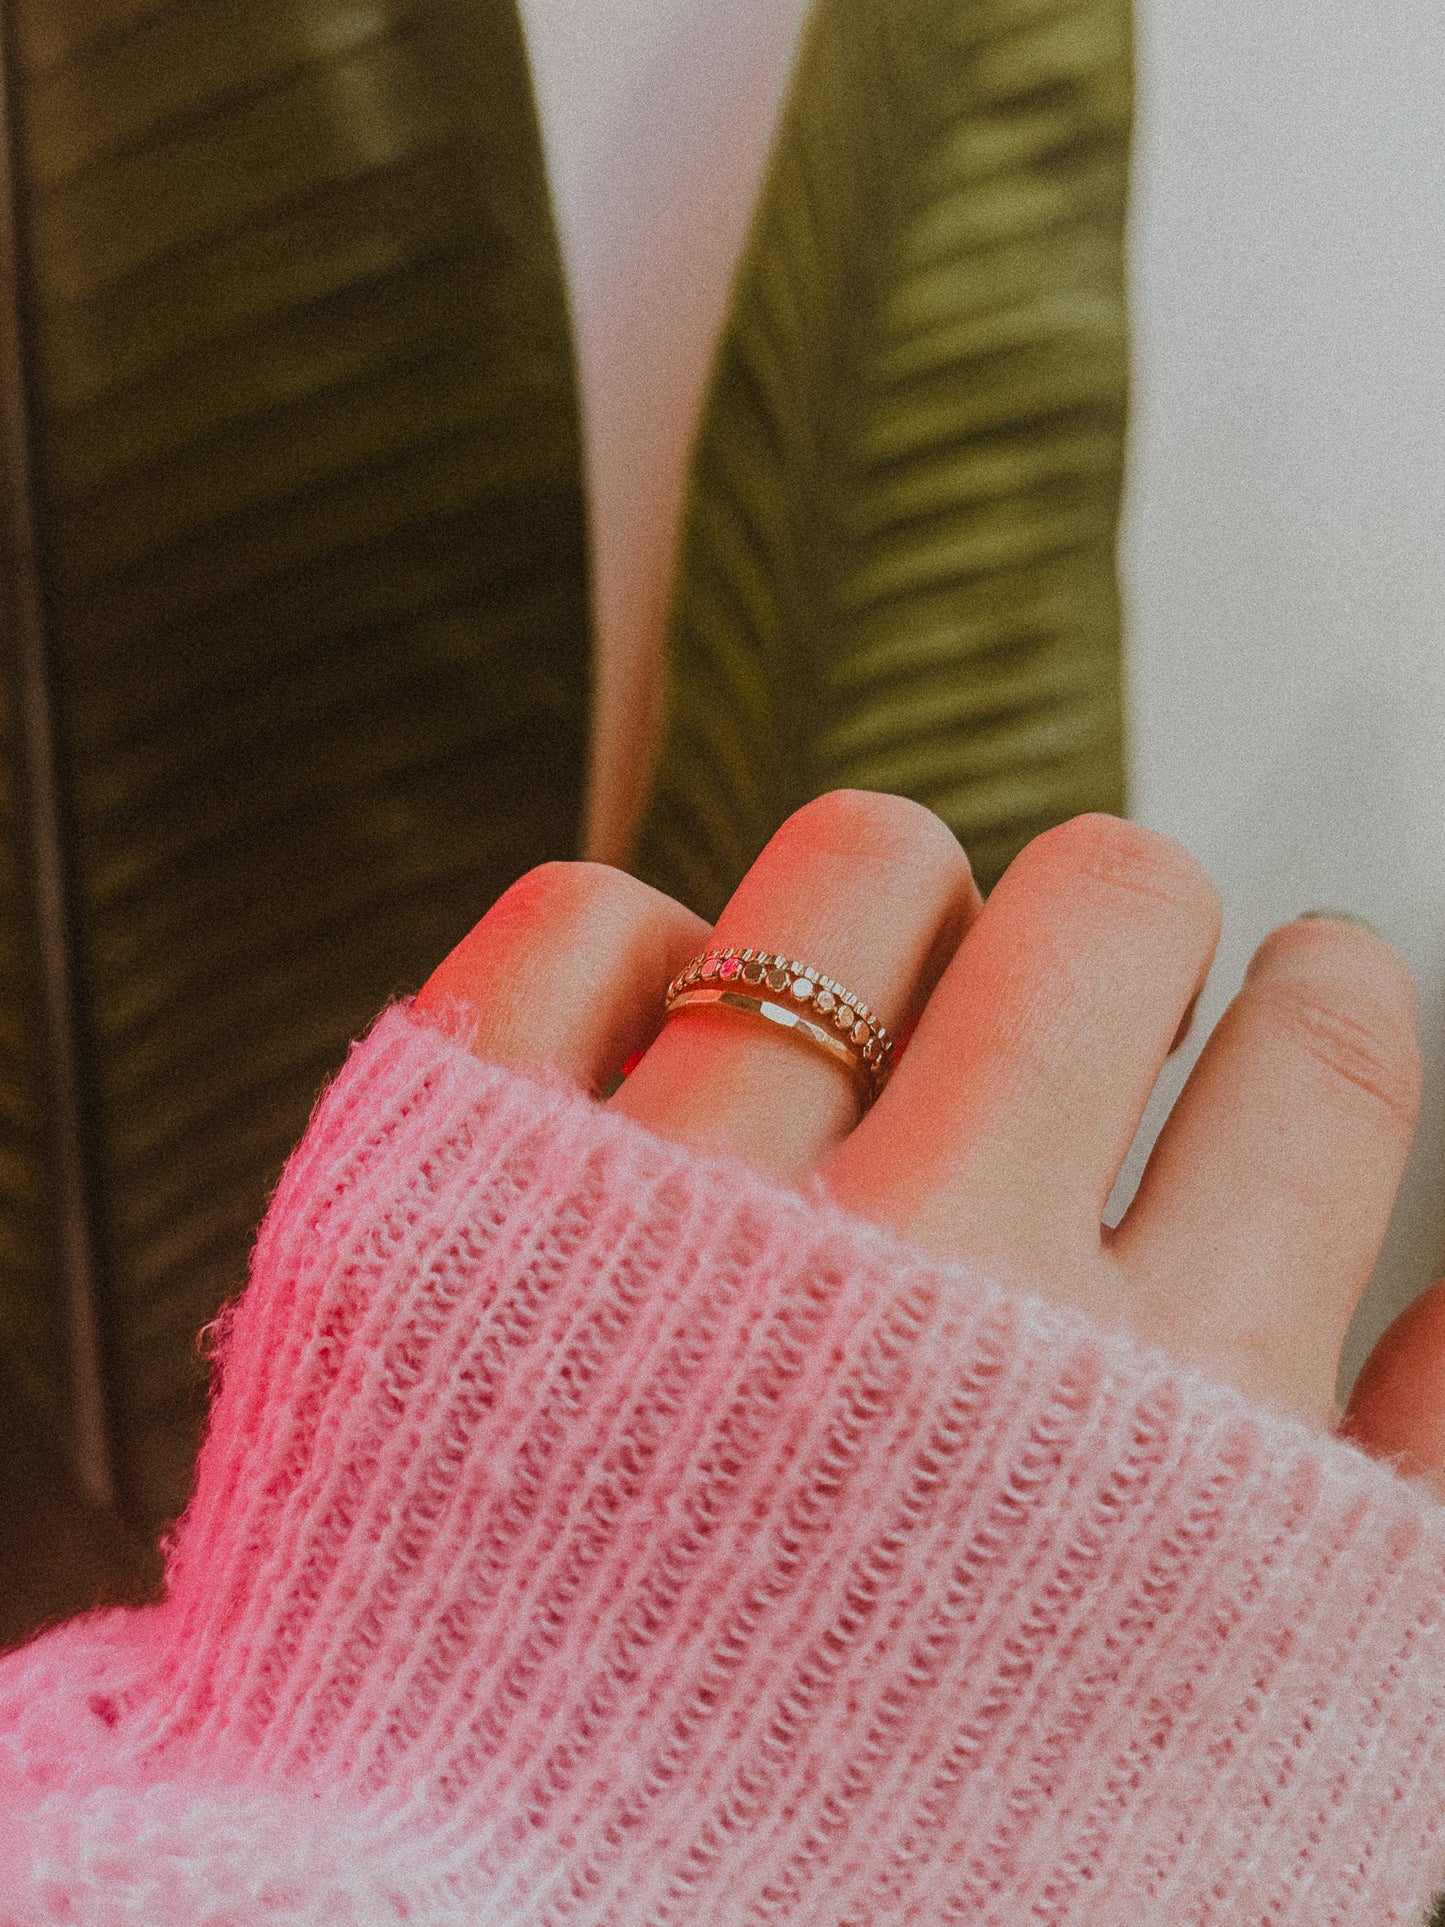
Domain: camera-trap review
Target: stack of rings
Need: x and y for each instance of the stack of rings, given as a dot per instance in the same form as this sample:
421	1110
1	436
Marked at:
797	997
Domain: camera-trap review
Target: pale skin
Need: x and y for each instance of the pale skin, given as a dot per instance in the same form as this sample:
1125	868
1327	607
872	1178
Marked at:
1043	1018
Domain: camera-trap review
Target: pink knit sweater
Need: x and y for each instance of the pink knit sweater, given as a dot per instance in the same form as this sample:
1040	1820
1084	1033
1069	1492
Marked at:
592	1532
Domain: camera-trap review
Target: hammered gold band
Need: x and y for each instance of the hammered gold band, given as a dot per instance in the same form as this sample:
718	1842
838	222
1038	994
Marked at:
800	999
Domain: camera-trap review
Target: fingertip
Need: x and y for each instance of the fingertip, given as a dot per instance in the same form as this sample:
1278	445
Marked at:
1343	954
1117	852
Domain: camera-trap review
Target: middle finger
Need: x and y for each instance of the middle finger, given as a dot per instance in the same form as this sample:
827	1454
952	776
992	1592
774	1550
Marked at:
1003	1131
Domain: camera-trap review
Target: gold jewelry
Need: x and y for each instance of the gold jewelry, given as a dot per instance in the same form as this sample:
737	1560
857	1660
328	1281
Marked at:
798	998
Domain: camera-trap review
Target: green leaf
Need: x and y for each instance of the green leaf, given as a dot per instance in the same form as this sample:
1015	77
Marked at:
897	570
301	559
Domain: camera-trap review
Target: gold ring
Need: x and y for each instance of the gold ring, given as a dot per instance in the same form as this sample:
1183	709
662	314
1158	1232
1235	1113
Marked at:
797	997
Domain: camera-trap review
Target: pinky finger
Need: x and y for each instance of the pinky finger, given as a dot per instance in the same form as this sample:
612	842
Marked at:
1397	1408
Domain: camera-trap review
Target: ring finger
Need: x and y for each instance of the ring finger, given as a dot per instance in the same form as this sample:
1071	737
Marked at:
872	890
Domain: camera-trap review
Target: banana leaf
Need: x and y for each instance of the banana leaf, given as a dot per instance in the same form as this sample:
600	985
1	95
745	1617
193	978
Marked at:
897	567
295	671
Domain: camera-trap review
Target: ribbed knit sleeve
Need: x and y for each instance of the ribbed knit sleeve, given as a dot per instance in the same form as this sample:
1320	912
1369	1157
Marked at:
592	1532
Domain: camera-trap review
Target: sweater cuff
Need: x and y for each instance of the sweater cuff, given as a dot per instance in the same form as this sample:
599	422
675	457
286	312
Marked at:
630	1538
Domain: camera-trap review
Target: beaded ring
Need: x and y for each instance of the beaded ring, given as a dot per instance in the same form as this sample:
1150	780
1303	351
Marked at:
799	998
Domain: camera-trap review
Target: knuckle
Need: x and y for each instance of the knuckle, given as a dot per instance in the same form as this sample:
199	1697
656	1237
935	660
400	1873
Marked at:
562	889
1364	1049
873	823
1135	861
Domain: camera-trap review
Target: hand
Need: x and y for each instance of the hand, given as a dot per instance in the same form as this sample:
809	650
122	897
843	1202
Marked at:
1042	1020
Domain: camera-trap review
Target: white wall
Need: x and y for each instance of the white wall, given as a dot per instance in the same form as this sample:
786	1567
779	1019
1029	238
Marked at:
1282	556
1284	542
656	115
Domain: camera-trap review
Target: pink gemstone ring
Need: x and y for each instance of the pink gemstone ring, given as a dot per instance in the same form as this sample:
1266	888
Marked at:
796	997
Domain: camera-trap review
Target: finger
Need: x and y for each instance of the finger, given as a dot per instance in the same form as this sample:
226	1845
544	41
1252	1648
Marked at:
1281	1159
563	971
1030	1069
871	890
1186	1024
1396	1409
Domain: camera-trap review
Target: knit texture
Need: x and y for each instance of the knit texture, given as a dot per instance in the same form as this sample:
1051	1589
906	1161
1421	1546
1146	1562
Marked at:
589	1531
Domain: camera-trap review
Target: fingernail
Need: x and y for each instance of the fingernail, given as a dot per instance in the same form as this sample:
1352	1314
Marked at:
1339	916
